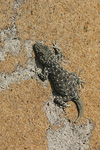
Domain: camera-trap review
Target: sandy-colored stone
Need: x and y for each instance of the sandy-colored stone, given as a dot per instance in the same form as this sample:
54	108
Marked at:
77	26
23	119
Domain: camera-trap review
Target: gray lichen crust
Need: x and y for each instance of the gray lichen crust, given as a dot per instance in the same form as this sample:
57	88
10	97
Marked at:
64	83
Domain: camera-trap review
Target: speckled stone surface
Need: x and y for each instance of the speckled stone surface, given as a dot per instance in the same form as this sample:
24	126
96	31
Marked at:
76	24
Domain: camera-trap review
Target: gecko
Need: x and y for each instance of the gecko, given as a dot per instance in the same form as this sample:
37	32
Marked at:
65	84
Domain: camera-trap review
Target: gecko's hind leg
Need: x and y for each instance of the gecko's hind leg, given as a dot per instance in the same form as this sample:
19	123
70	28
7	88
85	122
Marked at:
60	102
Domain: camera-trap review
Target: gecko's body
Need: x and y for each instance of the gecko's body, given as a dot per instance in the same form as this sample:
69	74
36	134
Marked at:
65	83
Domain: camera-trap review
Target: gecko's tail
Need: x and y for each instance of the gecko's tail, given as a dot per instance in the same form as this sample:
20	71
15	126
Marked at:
80	108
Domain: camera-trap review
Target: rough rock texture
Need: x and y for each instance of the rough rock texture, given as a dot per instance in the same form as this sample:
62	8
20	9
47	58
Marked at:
27	119
66	136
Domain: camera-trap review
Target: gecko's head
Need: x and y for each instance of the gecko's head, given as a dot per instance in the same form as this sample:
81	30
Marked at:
41	51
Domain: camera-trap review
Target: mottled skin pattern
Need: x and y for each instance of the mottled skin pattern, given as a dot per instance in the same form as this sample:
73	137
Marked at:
65	83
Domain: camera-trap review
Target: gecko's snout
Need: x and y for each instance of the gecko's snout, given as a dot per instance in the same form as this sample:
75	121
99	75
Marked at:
37	46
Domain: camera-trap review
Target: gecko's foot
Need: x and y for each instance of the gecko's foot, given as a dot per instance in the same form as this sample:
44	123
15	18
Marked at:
57	50
64	106
80	82
60	102
64	111
56	47
55	44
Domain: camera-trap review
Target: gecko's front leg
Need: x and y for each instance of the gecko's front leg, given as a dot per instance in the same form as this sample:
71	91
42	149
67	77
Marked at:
44	74
57	50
